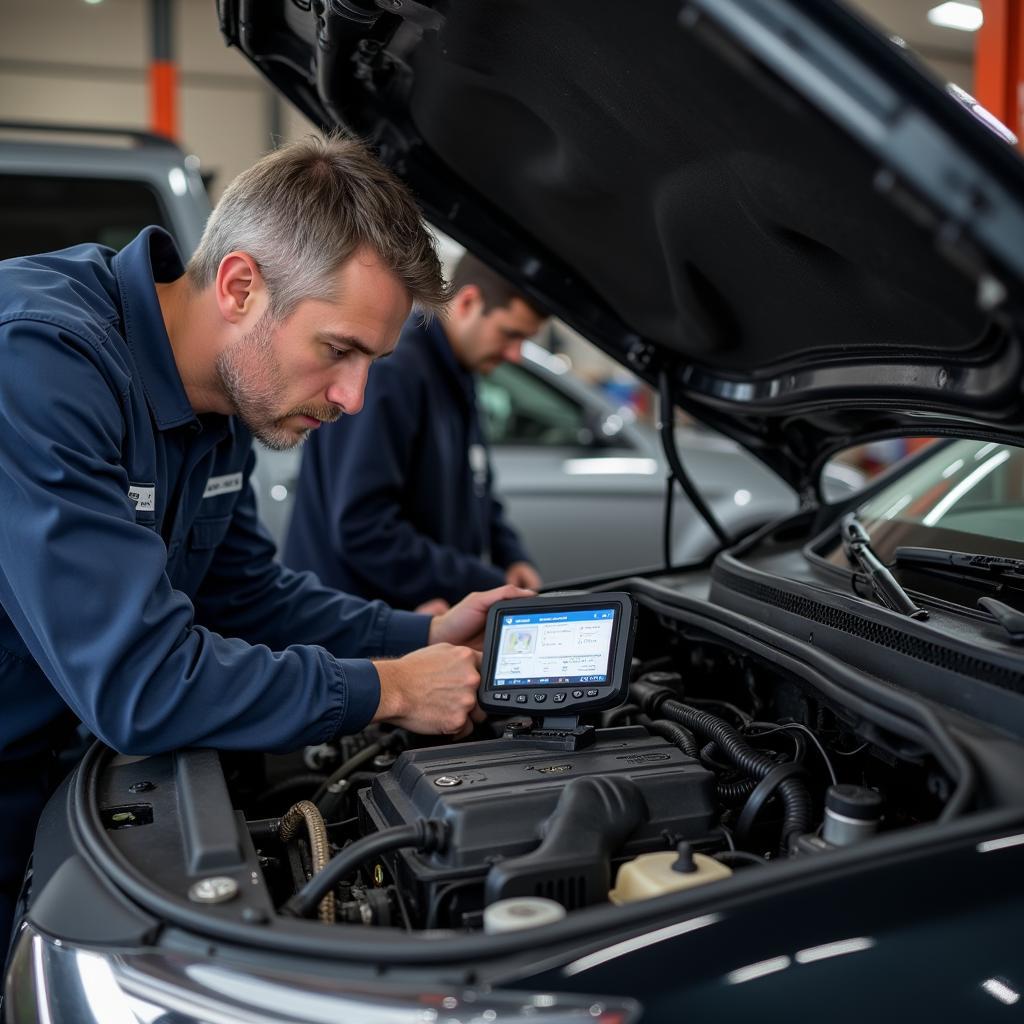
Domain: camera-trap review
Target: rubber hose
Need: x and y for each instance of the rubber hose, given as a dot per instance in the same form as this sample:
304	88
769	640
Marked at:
735	792
709	758
613	717
306	810
796	801
427	835
676	734
739	857
346	769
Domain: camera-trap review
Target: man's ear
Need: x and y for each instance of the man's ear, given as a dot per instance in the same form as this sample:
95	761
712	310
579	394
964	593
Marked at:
240	290
467	301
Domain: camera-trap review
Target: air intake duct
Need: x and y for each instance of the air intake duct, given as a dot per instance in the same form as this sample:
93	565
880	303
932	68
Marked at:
593	818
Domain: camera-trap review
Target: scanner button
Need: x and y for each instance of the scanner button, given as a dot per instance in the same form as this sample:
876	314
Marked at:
577	694
521	698
539	698
559	697
591	693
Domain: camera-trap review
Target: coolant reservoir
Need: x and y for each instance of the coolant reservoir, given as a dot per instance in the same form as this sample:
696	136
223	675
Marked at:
654	874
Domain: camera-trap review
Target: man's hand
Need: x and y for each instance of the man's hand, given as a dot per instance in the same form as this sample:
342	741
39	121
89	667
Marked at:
464	623
432	690
435	606
522	574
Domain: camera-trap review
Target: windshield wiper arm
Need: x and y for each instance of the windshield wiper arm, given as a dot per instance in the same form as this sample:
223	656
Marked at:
857	547
1009	618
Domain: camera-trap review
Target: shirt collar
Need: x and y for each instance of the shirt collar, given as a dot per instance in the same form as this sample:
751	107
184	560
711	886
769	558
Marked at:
148	258
434	332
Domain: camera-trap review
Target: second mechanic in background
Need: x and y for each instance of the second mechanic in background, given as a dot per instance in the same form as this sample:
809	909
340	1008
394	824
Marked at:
396	503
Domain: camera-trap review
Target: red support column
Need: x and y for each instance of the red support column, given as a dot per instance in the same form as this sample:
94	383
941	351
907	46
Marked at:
163	72
999	63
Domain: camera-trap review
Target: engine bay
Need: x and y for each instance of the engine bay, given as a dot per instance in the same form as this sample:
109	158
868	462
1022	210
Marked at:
720	761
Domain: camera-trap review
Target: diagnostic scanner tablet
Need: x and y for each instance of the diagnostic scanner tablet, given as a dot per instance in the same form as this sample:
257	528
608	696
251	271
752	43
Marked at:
557	656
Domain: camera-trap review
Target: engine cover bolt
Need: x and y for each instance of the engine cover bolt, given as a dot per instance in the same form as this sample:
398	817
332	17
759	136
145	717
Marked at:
218	889
447	780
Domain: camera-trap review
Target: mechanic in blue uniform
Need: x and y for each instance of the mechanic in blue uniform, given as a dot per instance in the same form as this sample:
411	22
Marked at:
138	591
397	504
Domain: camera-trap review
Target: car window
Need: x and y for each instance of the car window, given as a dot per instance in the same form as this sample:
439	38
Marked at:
42	214
974	487
519	408
964	495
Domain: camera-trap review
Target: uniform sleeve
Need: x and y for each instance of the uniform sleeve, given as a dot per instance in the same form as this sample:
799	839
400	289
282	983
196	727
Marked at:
86	588
246	593
370	464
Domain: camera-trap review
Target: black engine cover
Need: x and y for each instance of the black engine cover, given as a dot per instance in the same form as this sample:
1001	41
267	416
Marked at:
496	795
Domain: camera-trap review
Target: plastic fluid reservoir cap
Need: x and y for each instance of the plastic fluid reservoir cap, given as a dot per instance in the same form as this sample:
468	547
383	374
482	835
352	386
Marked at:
854	802
521	912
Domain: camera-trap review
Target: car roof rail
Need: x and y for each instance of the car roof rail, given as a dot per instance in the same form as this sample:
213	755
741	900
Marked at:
139	138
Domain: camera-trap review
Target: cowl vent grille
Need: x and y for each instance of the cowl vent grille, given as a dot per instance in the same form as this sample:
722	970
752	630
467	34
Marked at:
873	632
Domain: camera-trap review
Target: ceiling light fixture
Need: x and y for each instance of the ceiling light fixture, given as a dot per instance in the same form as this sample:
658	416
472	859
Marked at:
963	17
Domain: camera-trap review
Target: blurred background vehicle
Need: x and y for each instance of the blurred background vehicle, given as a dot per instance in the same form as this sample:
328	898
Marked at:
61	185
574	467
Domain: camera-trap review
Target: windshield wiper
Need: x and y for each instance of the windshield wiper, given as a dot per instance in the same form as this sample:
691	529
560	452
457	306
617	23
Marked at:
857	547
994	569
964	563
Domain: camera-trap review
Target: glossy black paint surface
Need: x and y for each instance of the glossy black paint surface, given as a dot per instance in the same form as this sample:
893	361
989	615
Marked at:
914	940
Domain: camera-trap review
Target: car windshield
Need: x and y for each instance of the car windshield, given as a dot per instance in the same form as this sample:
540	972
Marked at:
962	495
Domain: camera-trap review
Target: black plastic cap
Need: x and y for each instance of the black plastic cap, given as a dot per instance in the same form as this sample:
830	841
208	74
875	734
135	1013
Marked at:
854	802
684	863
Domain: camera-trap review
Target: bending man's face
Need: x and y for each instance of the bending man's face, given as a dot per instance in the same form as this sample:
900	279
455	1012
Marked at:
483	341
285	379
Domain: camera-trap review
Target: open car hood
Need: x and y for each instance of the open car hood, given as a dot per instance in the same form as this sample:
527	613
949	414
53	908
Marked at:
765	200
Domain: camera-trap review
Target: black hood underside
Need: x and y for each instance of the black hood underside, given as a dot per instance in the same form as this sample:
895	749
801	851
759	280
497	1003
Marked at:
768	201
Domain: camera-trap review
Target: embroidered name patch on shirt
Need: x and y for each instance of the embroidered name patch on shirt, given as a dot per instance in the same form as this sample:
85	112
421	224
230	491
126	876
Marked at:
225	484
144	496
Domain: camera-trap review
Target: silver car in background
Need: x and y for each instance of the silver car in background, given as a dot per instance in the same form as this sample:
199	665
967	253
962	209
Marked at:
583	480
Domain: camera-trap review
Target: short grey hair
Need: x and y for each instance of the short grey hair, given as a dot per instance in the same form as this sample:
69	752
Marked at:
305	209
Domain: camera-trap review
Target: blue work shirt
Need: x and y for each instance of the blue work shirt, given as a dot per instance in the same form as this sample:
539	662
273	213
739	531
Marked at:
396	502
139	592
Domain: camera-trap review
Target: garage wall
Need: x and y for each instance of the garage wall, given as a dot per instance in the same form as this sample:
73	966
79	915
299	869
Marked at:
80	63
86	63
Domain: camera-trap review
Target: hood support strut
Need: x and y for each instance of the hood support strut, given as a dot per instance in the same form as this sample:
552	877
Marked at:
666	425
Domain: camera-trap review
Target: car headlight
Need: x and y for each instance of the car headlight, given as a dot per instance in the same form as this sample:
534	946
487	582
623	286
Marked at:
50	981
